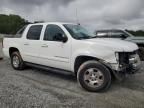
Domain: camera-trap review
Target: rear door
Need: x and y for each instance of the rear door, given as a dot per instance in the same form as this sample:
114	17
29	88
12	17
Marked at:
31	44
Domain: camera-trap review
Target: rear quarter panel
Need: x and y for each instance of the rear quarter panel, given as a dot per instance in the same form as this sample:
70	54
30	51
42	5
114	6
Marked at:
10	42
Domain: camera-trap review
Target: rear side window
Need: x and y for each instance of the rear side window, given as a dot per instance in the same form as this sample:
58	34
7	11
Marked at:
34	32
20	32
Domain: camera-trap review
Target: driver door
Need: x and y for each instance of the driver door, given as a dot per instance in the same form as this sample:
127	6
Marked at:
53	52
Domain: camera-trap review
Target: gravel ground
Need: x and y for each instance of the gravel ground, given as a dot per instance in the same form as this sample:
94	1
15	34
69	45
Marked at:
34	88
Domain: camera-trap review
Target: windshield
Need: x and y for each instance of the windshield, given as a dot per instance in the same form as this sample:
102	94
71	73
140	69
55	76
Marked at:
78	32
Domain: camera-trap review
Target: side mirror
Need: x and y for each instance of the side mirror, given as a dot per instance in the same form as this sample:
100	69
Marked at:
64	39
60	37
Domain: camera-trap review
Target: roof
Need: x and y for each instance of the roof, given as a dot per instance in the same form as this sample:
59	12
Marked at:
51	23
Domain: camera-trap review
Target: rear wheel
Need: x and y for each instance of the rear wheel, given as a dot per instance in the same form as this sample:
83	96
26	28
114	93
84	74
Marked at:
94	77
16	61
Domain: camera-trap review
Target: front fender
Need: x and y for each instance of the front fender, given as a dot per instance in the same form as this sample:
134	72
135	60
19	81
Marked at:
106	56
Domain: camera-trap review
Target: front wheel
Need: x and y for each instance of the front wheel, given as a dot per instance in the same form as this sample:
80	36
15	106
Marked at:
16	61
94	77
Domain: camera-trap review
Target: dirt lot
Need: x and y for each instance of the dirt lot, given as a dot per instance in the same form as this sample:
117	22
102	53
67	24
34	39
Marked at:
33	88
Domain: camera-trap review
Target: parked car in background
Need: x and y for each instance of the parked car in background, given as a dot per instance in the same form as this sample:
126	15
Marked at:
123	35
67	47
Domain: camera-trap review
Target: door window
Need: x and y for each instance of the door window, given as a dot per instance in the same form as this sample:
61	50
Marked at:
34	32
52	32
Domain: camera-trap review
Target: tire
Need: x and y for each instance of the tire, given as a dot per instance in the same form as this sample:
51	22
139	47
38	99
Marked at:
16	61
141	53
94	77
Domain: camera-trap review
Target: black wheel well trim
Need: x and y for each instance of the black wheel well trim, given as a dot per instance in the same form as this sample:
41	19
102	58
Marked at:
12	49
103	62
81	59
86	58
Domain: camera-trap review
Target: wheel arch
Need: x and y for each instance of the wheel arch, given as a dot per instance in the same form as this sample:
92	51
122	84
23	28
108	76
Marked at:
13	49
81	59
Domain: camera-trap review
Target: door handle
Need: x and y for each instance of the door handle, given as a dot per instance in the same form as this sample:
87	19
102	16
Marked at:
26	44
44	46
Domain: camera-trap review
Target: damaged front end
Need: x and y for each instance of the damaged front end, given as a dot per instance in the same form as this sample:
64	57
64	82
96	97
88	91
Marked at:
128	62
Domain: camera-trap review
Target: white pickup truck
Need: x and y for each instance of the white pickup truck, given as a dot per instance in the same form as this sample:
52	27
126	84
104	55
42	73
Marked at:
71	48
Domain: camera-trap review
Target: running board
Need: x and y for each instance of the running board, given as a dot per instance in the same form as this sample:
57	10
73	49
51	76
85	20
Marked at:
49	68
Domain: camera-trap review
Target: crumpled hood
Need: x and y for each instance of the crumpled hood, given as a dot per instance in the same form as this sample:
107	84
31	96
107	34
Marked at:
114	44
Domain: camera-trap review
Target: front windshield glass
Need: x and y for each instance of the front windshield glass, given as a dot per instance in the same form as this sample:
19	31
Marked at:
78	32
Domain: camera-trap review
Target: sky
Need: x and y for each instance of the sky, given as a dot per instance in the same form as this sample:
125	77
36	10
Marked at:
94	14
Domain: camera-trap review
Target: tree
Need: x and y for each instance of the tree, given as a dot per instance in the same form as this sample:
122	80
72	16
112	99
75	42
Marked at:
10	24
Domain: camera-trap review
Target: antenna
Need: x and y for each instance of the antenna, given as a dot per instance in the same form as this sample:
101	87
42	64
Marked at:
77	20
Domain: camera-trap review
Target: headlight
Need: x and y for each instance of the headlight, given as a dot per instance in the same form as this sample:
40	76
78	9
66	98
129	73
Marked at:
133	58
135	62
